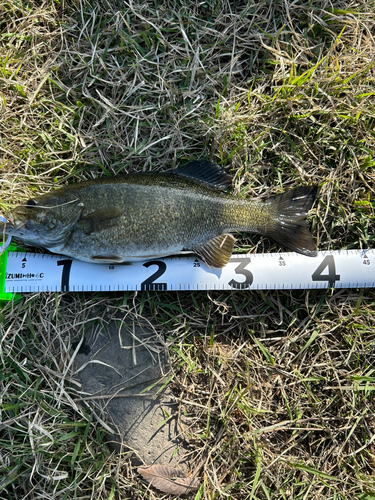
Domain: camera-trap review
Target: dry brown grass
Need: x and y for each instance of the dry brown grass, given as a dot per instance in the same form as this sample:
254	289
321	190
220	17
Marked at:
278	386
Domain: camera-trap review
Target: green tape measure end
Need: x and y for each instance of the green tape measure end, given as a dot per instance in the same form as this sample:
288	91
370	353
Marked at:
4	296
7	296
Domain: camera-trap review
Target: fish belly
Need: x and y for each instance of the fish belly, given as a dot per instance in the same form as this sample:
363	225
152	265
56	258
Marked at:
91	251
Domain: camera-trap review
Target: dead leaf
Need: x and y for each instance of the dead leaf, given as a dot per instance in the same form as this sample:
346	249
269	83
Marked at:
168	479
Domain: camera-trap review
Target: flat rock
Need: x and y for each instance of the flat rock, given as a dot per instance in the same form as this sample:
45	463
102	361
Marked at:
122	369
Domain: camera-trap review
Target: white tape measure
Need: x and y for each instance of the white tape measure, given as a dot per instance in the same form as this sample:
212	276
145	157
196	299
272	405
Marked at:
31	272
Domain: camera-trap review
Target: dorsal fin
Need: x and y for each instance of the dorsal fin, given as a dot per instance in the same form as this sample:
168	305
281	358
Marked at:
206	172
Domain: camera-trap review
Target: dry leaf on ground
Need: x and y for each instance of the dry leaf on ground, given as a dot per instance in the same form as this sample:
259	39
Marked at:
168	479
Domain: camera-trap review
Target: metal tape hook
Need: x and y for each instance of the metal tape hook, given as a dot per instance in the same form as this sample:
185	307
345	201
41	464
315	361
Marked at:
8	240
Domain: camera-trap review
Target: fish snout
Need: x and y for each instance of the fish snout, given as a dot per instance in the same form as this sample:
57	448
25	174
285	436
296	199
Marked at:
5	222
16	219
12	223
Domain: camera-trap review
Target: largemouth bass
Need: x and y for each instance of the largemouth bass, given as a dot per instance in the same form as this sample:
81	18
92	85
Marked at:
149	215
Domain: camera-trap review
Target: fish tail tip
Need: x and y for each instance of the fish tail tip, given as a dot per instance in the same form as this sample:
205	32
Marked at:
291	229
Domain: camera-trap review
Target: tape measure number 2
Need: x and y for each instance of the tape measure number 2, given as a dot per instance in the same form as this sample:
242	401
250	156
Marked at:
30	272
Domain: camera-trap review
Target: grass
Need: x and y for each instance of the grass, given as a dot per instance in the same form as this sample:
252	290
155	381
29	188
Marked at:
277	386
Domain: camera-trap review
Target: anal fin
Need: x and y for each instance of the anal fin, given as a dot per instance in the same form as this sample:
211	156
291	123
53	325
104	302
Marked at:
217	251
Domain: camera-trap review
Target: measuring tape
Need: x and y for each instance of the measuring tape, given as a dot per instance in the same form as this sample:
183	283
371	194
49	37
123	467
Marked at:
36	272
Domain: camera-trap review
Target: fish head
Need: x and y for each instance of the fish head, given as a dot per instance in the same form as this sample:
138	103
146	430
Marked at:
45	222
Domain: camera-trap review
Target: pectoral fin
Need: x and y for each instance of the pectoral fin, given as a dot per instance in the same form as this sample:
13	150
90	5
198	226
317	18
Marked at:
217	251
100	219
107	259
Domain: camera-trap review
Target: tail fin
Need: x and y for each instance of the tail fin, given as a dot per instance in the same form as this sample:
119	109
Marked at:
291	229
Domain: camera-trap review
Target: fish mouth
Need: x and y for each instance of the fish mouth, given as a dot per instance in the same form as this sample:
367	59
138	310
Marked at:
4	222
13	221
11	225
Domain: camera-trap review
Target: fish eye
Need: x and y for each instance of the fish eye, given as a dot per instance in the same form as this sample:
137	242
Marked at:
31	203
